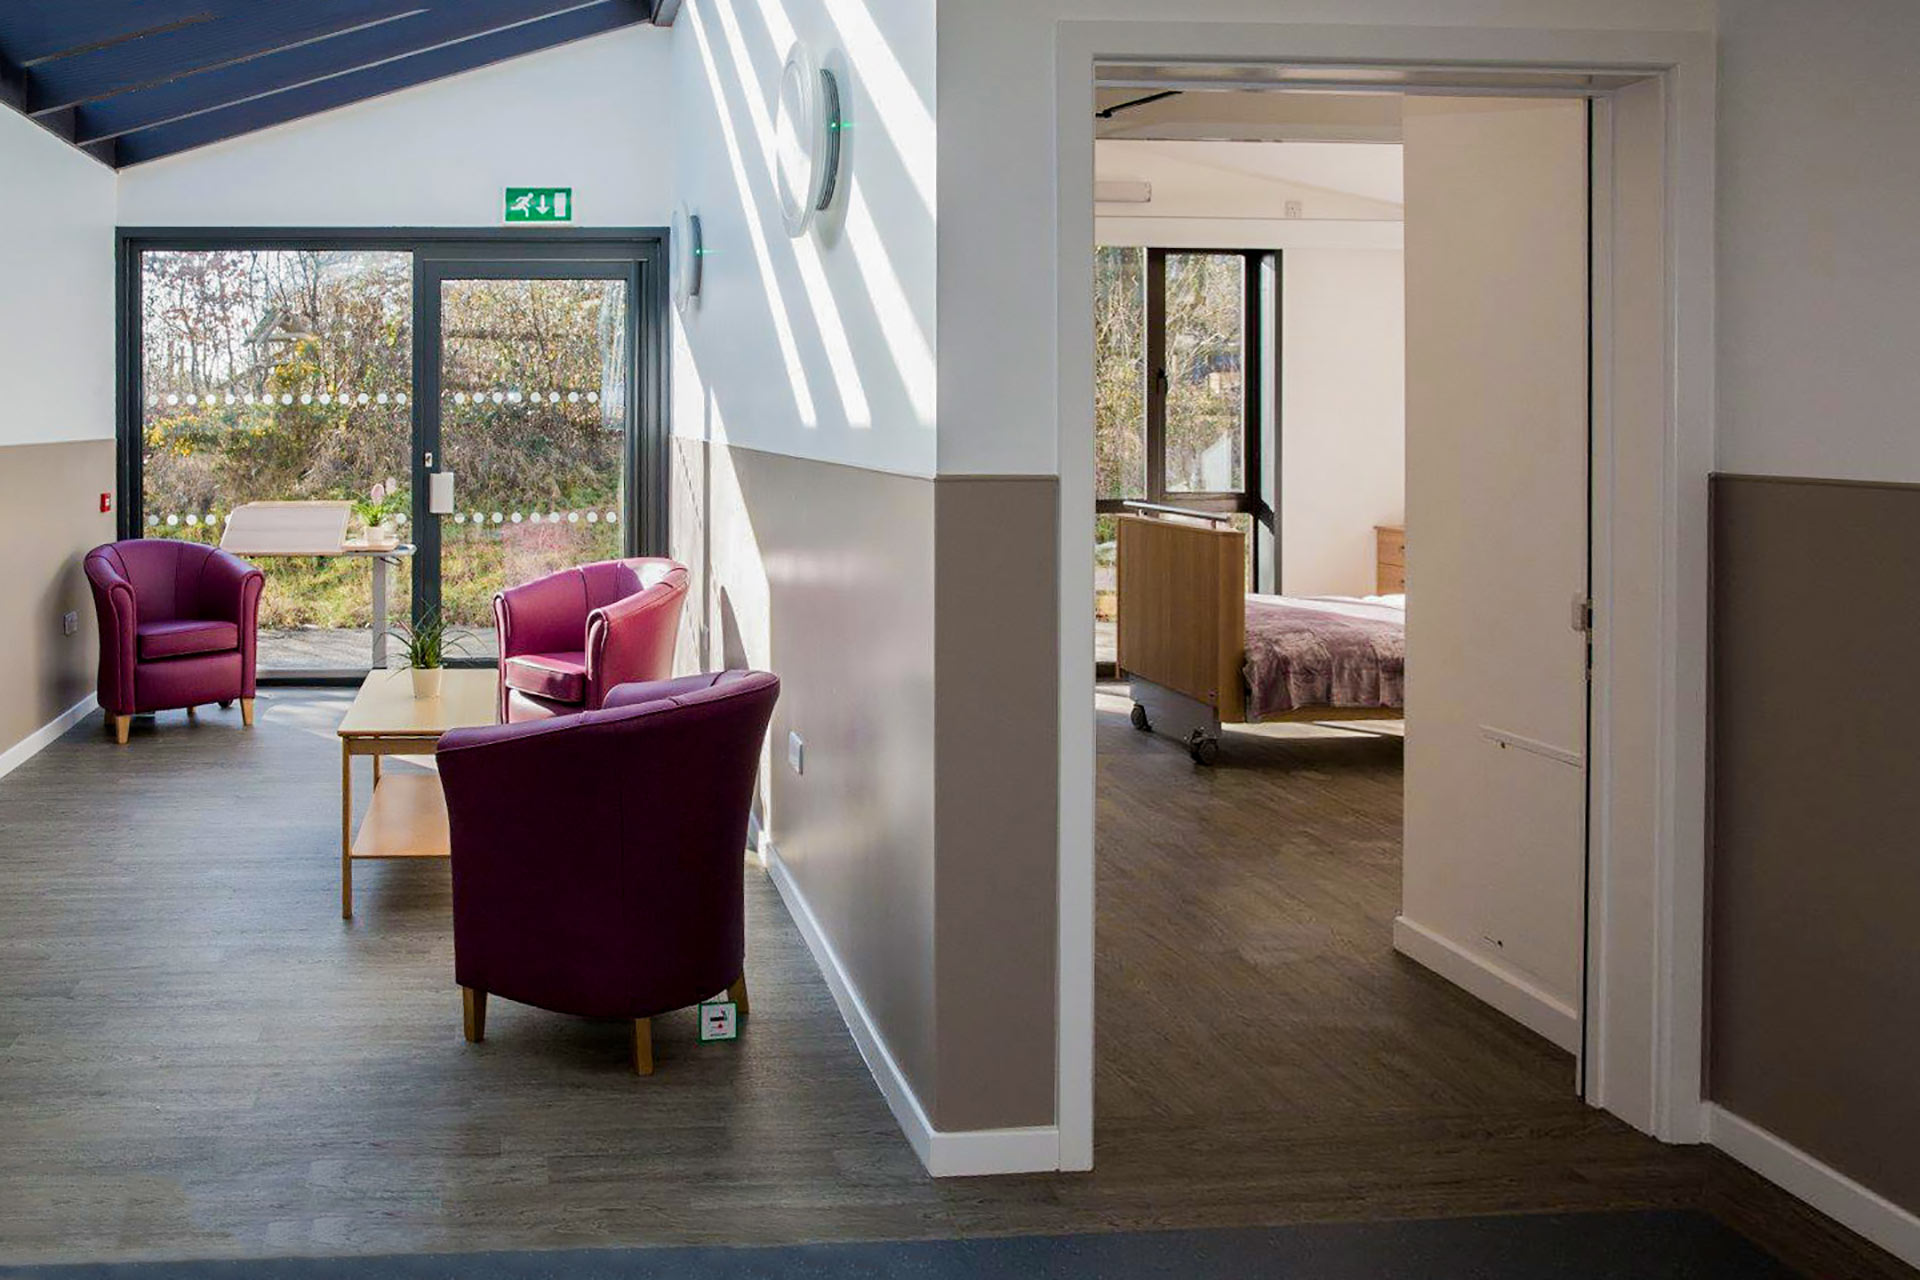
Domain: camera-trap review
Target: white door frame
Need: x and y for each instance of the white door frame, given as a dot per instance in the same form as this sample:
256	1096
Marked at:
1654	378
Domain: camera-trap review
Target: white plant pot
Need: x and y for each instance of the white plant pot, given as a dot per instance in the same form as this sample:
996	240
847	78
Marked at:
426	681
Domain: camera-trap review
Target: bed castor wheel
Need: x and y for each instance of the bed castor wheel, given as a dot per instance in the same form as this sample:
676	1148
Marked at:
1203	749
1140	719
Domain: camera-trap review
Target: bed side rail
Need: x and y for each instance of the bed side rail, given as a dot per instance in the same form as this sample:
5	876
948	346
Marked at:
1183	609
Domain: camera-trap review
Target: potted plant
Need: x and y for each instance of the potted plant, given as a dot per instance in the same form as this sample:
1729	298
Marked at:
377	510
423	648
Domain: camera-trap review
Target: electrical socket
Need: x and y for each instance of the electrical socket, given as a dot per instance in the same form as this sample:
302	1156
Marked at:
69	623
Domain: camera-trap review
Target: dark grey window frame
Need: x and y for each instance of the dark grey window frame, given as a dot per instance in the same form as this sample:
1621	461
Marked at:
636	254
1260	406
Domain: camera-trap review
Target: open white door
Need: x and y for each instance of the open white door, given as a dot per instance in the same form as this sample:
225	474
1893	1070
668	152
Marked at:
1497	449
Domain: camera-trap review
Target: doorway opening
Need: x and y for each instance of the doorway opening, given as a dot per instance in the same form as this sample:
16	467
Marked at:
1394	927
1652	374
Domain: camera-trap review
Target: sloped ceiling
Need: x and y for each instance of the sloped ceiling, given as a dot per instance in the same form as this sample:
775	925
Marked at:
133	80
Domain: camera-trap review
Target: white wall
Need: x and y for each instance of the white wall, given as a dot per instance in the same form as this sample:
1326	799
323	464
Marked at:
1819	171
821	347
1342	415
998	291
596	115
56	421
56	289
1342	327
1252	180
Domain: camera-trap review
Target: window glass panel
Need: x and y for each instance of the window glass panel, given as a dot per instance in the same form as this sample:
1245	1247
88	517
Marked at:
1206	367
1120	373
1106	587
275	375
533	424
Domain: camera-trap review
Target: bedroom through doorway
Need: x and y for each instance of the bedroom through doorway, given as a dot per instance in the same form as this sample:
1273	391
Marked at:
1342	435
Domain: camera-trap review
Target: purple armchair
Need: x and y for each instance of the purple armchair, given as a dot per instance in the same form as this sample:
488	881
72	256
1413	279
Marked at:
570	637
597	857
177	627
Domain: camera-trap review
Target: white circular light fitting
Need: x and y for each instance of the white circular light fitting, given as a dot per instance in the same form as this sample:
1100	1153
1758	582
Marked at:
688	249
806	139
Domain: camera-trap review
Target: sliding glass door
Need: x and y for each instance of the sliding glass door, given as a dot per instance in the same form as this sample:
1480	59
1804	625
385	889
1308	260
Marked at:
528	432
494	403
278	375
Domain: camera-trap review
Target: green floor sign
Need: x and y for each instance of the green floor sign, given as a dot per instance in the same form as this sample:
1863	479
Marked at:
539	204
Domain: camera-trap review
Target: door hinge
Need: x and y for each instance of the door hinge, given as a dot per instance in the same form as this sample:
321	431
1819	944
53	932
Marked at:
1582	615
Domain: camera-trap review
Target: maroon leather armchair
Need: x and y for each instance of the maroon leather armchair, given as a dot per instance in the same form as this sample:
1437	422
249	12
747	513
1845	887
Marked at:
177	627
597	857
570	637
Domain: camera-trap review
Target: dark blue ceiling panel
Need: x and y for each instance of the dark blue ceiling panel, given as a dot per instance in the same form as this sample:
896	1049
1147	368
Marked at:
241	82
133	80
34	30
373	81
104	70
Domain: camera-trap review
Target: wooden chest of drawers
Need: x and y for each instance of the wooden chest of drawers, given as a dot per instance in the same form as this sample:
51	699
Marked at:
1390	574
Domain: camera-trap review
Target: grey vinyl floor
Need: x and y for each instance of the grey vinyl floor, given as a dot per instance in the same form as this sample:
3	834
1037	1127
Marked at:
200	1059
1646	1245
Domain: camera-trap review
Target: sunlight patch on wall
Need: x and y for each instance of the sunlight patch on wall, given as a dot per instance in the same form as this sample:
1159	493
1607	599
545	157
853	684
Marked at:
898	107
756	233
813	277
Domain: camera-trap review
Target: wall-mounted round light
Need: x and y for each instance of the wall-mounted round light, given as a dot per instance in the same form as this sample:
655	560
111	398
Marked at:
688	249
806	139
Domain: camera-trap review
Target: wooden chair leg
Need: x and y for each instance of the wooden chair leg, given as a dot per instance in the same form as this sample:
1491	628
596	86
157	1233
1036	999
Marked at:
121	724
643	1046
738	994
246	712
473	1009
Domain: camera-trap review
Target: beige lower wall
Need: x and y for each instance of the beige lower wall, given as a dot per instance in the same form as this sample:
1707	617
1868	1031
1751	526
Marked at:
50	497
823	574
856	587
997	799
1814	974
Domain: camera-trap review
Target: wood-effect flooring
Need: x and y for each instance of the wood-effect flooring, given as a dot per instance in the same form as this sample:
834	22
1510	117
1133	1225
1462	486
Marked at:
199	1058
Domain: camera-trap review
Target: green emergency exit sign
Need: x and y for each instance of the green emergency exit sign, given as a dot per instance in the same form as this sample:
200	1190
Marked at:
539	204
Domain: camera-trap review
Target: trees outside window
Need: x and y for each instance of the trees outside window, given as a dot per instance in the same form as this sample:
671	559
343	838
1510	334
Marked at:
1178	359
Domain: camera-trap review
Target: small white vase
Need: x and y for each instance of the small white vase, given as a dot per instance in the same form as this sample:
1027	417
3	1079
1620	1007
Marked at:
426	681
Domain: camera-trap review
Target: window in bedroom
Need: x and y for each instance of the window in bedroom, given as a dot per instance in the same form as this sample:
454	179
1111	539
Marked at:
1184	397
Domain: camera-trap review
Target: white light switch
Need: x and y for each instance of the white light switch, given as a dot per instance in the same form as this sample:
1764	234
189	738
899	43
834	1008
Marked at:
69	623
797	752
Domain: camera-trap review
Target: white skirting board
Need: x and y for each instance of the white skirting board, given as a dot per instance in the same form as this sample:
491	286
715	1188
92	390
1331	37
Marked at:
1825	1188
945	1153
1505	990
43	737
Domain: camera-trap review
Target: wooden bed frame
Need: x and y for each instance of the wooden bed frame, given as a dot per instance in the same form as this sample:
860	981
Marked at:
1182	631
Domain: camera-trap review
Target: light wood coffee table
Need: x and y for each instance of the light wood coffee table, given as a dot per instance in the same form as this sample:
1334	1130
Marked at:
407	817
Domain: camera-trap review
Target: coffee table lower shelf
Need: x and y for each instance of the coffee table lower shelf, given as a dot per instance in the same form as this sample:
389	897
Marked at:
407	818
